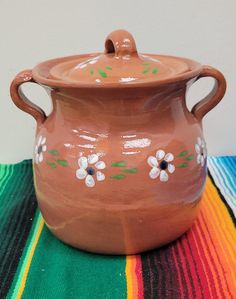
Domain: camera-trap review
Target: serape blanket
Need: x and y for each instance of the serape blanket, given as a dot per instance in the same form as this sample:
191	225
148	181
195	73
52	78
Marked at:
36	265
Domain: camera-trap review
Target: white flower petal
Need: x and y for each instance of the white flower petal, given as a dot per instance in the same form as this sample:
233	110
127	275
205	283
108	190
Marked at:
169	157
199	141
100	176
36	149
83	162
89	181
92	158
171	168
199	158
202	161
40	157
197	148
40	139
81	173
164	176
154	173
43	141
100	165
44	148
160	154
37	159
152	161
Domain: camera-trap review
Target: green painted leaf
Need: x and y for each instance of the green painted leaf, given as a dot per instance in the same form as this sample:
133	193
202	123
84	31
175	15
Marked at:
146	63
109	68
117	176
51	164
146	71
119	164
155	71
183	165
62	162
182	154
189	158
102	73
130	170
54	152
91	72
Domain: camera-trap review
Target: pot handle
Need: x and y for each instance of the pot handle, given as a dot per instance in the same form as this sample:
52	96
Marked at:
21	101
200	109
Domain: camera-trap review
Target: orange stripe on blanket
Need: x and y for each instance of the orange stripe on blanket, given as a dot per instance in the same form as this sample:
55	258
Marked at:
221	235
214	236
134	277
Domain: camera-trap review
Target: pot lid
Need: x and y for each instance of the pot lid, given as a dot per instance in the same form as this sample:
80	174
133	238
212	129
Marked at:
120	64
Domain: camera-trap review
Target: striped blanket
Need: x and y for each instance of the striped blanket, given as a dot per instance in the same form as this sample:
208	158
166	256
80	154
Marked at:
36	265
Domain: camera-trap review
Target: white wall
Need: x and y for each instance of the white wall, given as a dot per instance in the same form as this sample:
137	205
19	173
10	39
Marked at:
32	31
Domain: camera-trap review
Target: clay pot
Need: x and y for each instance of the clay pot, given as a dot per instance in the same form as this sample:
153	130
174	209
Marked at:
120	163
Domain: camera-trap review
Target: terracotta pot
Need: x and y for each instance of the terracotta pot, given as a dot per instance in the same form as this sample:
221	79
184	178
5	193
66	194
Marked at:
120	163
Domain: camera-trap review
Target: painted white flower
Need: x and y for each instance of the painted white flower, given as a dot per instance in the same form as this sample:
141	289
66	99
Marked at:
40	148
161	165
200	148
90	169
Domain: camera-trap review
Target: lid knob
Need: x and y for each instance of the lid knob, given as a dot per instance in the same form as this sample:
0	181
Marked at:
121	43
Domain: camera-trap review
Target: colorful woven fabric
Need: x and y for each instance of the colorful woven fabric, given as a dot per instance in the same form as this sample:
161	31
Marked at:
36	265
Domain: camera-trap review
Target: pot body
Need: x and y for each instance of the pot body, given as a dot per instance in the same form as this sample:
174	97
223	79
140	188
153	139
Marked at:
119	171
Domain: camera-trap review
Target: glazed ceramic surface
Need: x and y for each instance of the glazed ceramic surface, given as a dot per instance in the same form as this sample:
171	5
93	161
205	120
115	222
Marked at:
120	163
